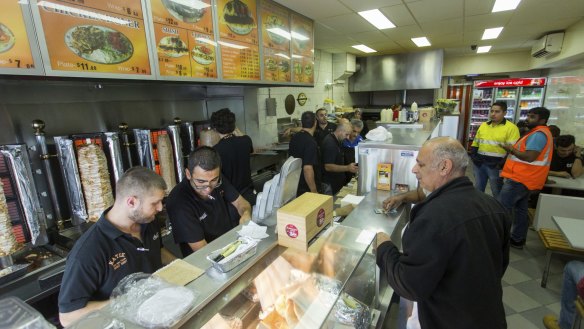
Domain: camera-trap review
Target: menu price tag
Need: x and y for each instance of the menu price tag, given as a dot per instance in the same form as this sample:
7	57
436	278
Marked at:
240	61
276	66
275	26
15	51
90	41
173	51
237	20
131	8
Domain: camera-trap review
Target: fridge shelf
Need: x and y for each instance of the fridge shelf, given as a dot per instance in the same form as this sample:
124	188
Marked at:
530	98
506	99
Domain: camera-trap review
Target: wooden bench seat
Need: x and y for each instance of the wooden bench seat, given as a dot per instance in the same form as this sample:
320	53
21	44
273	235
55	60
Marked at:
555	243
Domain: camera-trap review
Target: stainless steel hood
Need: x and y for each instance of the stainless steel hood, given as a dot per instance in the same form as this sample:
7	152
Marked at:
422	70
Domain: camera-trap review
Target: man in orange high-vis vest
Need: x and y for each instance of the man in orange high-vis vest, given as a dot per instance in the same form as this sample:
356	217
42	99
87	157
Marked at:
526	170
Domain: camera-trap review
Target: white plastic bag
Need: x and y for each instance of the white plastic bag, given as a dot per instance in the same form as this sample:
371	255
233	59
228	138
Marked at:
378	134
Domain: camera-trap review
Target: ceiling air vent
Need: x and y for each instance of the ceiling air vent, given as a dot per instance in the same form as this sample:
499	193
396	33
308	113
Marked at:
548	45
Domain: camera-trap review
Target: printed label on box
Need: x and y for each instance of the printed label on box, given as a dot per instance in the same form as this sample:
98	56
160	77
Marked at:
384	176
320	217
292	231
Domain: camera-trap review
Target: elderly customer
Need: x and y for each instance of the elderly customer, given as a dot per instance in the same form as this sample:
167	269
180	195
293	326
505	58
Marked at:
453	257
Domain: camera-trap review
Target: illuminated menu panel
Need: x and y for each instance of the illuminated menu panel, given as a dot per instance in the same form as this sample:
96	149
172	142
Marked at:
302	50
184	37
240	61
276	42
16	55
101	41
238	39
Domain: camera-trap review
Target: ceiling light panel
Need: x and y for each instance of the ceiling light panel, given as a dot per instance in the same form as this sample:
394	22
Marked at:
376	18
483	49
364	49
421	42
492	33
504	5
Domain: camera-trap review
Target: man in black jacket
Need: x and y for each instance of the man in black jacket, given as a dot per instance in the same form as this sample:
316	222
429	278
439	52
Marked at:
455	247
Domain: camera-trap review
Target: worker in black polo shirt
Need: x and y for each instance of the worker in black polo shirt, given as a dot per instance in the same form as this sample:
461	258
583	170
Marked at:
235	152
125	240
333	158
565	163
303	146
198	206
323	128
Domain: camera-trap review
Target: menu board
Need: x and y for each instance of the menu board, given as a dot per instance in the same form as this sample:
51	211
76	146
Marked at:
240	61
94	38
302	49
276	41
184	37
16	54
238	37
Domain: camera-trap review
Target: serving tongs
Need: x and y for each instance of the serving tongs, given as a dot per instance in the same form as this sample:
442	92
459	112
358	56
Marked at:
228	250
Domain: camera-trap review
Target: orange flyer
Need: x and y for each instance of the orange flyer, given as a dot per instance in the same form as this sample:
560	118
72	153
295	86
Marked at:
241	63
303	69
275	26
173	51
302	36
203	55
238	21
173	13
132	8
93	41
14	44
276	66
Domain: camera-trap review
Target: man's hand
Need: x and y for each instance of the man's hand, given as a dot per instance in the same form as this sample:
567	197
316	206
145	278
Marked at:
381	238
352	168
393	202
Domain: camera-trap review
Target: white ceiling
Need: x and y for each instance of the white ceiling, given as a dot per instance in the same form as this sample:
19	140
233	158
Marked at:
453	25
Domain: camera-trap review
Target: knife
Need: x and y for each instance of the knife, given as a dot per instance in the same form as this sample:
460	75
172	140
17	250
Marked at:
228	250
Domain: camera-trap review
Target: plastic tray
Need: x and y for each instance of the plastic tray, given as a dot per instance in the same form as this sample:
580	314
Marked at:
247	249
16	314
13	272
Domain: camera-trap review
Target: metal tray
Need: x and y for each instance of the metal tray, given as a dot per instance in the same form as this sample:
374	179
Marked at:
247	249
12	272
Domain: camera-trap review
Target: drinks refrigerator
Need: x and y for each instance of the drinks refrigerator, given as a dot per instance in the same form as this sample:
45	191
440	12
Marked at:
520	94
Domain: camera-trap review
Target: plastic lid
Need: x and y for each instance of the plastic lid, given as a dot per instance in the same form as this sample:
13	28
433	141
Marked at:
14	313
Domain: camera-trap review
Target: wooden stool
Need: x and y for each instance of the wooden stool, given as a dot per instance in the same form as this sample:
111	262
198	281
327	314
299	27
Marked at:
579	313
555	243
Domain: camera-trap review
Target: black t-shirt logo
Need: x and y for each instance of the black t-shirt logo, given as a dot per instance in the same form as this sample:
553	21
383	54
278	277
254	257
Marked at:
118	260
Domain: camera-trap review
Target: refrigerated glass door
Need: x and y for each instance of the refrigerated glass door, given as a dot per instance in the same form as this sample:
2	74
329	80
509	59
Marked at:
529	98
481	104
509	96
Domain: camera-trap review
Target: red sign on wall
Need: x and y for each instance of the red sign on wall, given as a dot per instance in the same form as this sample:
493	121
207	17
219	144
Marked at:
520	82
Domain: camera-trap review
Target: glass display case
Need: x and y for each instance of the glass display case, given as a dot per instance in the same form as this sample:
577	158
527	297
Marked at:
332	285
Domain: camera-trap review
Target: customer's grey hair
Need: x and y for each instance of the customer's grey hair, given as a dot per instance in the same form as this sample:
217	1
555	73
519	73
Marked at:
451	149
357	123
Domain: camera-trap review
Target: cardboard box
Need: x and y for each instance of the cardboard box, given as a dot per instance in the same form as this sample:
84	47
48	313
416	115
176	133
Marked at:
302	218
384	176
426	114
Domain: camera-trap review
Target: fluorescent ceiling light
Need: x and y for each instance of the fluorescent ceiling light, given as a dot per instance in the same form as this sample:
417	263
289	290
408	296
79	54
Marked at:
492	33
82	12
297	56
376	18
283	55
421	42
299	36
364	49
504	5
207	41
280	32
231	45
194	4
483	49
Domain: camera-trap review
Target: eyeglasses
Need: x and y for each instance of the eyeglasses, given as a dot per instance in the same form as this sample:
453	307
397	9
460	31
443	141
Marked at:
212	184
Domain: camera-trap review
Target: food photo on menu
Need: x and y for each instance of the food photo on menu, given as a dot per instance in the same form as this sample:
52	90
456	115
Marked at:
203	54
99	44
274	24
172	46
184	11
7	38
238	17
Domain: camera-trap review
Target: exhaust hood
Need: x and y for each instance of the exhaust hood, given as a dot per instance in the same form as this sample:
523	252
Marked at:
344	66
421	70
